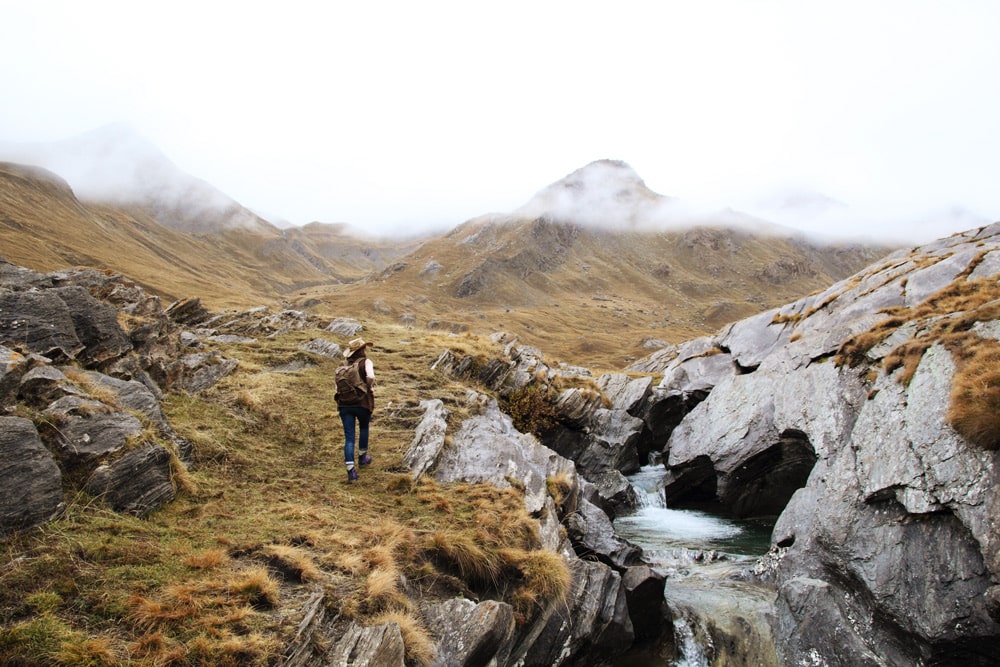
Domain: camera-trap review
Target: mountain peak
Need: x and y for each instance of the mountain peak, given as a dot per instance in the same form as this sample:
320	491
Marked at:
606	193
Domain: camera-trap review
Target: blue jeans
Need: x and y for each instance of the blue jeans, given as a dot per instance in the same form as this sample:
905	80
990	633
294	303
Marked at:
347	415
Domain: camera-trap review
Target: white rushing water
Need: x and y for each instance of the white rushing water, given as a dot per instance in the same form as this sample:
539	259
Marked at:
703	554
657	527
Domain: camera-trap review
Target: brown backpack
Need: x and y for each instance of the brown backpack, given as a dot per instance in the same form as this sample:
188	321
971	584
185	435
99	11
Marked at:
351	385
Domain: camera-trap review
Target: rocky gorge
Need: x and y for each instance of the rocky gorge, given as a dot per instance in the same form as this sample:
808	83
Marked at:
862	419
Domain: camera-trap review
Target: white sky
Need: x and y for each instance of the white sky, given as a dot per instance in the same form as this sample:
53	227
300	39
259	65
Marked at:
399	115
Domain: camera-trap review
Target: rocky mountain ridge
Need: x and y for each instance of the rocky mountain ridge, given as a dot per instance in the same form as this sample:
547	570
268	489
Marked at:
535	277
598	245
595	295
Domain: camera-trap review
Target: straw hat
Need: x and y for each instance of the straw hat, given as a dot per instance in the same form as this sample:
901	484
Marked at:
354	346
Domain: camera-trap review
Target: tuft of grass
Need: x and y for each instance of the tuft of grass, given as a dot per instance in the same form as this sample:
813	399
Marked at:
545	573
464	554
256	588
559	487
293	562
89	652
974	408
382	591
541	577
206	560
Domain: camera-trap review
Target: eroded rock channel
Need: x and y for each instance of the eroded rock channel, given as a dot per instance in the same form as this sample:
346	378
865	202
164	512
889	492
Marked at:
835	416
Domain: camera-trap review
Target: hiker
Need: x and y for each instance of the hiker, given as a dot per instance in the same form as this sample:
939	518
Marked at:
355	402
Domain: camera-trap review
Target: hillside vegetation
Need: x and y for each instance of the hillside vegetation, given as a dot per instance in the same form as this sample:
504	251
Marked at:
44	226
265	518
599	296
589	295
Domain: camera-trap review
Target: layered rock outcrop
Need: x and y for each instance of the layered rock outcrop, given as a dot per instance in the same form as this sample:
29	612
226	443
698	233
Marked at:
595	618
595	422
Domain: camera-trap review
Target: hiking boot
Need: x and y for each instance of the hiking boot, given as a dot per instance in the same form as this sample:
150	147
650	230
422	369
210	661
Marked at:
352	476
365	460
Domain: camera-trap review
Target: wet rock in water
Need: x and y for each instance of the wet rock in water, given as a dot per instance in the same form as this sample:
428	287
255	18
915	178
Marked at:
594	537
647	608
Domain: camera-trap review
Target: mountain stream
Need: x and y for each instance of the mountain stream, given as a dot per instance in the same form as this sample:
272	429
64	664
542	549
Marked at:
719	614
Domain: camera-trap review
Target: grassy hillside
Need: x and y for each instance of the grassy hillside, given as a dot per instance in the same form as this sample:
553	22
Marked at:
266	518
589	296
582	294
45	227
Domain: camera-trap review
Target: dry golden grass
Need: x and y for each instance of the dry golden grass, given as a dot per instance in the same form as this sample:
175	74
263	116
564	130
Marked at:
545	573
207	559
382	590
559	488
94	652
293	562
974	408
463	554
947	318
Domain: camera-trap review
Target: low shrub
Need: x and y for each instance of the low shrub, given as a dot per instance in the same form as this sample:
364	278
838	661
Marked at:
532	409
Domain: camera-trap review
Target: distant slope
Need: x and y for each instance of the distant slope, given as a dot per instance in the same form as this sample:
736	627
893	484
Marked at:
44	226
595	295
344	251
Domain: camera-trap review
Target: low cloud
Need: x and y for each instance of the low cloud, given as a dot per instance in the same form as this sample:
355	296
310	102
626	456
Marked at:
114	164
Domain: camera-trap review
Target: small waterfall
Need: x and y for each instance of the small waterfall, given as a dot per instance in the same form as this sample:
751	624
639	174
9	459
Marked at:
648	485
719	614
690	645
657	528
